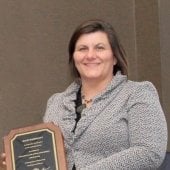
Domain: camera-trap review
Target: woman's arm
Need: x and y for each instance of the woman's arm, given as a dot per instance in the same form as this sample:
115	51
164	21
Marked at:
147	134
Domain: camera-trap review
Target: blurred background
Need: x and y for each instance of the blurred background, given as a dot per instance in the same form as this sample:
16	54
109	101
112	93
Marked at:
34	36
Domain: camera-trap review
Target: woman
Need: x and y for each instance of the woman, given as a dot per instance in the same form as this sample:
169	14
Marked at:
107	121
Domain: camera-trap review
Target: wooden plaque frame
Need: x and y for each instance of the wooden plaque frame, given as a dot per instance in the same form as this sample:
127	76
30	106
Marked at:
57	151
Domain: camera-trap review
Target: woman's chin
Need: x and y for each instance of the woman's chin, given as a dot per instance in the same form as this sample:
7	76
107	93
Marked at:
91	77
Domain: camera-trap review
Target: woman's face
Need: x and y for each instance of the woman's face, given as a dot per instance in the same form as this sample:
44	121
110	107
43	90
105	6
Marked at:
93	57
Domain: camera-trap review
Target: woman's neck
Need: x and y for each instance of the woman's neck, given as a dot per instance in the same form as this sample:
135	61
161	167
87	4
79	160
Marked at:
92	88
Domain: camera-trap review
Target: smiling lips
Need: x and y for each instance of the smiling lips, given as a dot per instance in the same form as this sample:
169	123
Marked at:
91	64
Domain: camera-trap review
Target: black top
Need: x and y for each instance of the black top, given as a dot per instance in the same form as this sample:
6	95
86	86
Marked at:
79	107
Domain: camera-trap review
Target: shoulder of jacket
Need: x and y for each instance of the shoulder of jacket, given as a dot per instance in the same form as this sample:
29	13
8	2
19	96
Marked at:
134	85
141	90
55	97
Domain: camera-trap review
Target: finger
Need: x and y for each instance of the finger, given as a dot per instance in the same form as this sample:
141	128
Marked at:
4	163
3	155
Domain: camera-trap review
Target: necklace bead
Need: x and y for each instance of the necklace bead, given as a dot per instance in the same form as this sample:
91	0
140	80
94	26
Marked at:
86	101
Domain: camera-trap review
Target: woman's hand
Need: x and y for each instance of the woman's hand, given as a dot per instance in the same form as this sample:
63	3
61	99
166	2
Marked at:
2	160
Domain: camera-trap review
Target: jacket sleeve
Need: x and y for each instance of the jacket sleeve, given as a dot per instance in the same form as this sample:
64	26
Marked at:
147	134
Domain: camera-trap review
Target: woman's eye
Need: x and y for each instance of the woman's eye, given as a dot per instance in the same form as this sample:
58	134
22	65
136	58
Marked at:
100	48
82	49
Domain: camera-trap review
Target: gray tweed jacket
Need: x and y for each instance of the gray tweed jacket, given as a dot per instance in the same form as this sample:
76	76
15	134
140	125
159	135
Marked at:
124	129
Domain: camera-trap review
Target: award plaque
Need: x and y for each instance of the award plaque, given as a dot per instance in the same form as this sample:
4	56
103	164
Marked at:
37	147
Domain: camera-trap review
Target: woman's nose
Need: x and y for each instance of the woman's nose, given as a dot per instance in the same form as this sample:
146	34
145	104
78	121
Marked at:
91	54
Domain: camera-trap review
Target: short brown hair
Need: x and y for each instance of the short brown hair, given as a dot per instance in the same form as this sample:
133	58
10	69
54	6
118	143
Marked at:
91	26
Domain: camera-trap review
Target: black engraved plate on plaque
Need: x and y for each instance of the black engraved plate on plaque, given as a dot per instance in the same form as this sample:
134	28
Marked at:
38	147
35	150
